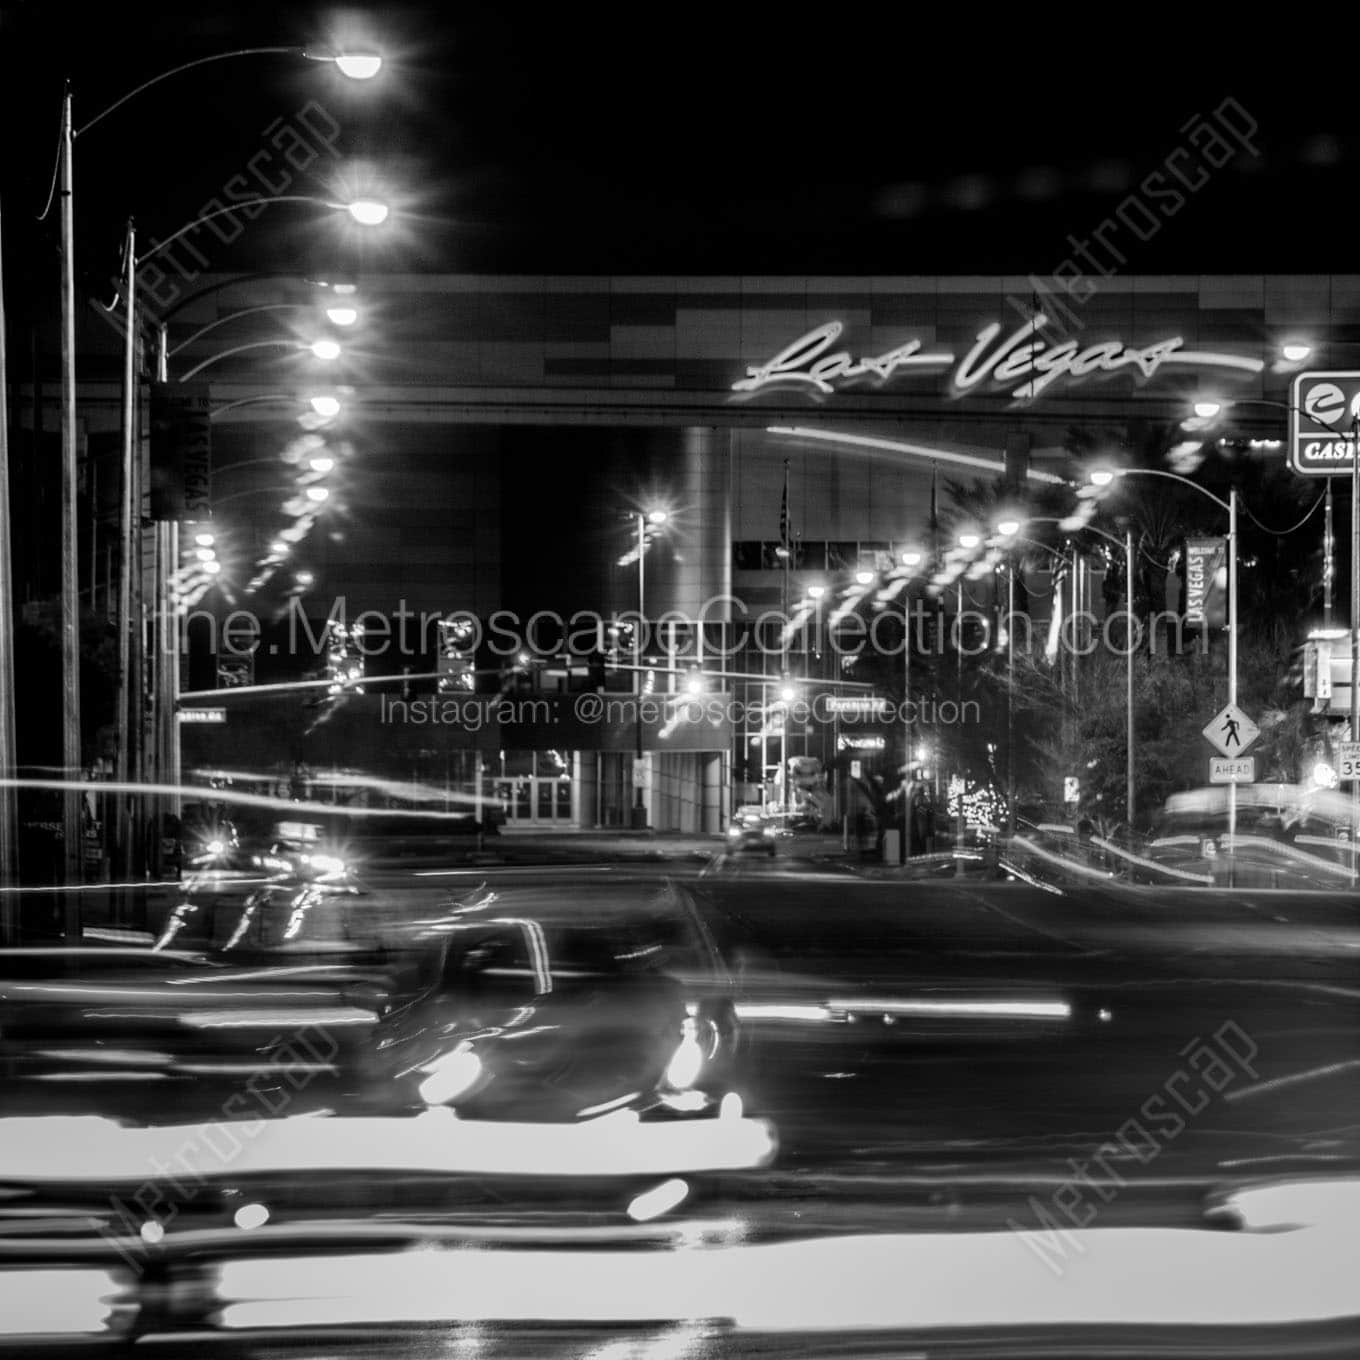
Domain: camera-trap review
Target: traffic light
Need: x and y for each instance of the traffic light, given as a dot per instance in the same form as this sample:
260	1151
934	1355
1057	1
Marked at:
457	665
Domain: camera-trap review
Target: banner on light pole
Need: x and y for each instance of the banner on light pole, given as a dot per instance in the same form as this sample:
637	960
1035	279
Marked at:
1204	559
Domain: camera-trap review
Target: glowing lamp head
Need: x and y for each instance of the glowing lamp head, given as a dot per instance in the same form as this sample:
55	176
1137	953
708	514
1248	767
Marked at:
656	517
969	541
326	406
695	684
342	316
788	694
1102	477
1008	528
368	212
864	578
325	349
212	568
204	540
321	464
359	65
317	494
816	592
1207	410
1295	352
911	559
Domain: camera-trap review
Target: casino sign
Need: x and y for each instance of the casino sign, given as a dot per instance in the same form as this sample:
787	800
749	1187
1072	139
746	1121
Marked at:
1324	412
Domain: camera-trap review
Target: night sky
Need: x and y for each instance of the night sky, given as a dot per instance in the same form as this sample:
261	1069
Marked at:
699	139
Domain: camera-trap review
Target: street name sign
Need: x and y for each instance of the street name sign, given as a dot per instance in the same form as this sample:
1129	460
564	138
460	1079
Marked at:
1232	769
202	715
1231	732
1323	410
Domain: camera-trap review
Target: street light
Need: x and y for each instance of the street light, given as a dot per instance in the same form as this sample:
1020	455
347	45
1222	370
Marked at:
656	518
1230	505
911	559
969	541
339	316
355	65
129	527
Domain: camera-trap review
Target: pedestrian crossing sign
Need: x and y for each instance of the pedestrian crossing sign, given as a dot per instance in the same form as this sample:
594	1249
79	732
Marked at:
1231	732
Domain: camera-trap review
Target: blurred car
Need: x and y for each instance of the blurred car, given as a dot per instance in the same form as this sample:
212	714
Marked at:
563	1005
752	831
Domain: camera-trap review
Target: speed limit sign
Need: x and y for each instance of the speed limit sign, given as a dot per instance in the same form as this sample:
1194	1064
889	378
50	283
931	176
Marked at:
1348	761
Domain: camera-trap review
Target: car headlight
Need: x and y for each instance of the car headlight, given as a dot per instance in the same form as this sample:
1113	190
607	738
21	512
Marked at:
451	1076
687	1062
216	847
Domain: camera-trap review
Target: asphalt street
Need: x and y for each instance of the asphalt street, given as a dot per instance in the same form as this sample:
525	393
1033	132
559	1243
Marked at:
937	1052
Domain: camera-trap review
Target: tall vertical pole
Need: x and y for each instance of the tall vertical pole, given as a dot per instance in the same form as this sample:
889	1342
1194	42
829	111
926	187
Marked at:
1129	803
904	850
1328	559
70	575
1232	668
639	806
169	696
9	907
1355	628
126	553
1010	693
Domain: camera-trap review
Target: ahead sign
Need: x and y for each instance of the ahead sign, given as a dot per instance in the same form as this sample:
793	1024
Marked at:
1232	770
1323	411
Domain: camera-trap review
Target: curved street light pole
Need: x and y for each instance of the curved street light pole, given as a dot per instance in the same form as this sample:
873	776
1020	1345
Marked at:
1230	505
357	67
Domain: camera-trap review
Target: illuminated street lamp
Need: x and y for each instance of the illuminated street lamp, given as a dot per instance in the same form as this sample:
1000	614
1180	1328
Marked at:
657	519
1296	351
354	65
325	406
969	541
321	464
864	578
317	493
1230	505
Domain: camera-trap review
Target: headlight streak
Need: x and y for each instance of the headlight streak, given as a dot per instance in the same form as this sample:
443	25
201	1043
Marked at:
93	1150
840	1009
45	1302
1176	1277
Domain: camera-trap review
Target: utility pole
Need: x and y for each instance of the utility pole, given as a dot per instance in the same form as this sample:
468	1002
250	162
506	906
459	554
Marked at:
1128	682
9	906
72	838
1355	625
639	806
128	530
